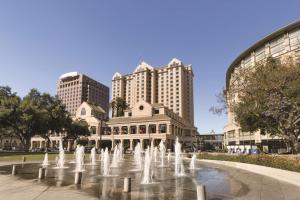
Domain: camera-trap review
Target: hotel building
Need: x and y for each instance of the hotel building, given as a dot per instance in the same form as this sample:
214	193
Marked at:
160	106
170	85
74	88
283	43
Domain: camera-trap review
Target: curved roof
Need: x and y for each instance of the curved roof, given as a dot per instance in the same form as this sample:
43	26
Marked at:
69	74
257	45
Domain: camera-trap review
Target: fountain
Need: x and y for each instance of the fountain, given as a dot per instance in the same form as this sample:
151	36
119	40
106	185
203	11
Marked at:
179	168
106	163
155	154
162	150
147	173
79	158
169	157
102	155
46	160
93	156
121	153
138	158
61	156
116	157
192	163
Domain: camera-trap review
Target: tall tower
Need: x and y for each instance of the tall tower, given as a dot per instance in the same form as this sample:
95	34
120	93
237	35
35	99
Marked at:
74	88
170	85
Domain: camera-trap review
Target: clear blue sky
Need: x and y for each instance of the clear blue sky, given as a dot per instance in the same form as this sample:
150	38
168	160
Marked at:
40	40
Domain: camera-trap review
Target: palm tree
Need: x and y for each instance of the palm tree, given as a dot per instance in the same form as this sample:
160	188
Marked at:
118	106
113	107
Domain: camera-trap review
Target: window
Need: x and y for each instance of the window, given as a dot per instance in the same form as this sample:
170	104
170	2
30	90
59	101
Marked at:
247	61
83	112
294	39
162	128
231	134
277	46
260	54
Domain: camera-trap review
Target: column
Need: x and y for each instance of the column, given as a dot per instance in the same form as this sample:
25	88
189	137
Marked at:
147	128
97	143
131	144
41	145
128	129
31	144
122	142
112	143
51	144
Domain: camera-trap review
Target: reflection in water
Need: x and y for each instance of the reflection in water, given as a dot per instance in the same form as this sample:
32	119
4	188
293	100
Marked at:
104	192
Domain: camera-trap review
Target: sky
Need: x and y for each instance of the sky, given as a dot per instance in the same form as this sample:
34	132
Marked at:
40	40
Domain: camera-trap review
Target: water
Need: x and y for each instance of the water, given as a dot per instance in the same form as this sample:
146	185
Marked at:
93	156
179	167
162	150
147	173
116	157
121	153
155	154
161	185
106	163
192	163
138	157
102	155
46	160
61	157
79	158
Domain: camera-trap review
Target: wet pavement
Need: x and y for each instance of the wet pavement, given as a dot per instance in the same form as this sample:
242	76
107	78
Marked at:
221	183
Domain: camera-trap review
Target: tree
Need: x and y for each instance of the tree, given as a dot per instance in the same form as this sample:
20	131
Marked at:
58	117
266	98
118	106
113	108
77	128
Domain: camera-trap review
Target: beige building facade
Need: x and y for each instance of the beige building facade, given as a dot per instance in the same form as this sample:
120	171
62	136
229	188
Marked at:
160	106
74	88
281	44
144	123
170	85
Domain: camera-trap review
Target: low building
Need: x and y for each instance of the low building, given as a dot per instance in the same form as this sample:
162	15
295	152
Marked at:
211	141
94	116
146	122
10	143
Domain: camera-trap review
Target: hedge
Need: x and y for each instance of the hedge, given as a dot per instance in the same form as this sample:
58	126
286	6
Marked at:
261	159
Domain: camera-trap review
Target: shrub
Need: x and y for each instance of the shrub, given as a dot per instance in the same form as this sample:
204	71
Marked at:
264	160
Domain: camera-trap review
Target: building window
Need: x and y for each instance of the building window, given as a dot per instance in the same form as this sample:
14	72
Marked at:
162	128
83	112
294	39
277	46
260	54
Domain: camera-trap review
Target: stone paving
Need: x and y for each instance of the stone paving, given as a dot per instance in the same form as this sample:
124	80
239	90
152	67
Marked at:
244	185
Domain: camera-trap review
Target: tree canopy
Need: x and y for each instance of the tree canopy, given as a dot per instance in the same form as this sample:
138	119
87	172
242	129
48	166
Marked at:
35	114
118	106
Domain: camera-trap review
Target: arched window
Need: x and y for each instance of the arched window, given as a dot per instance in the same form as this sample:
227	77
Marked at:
83	111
